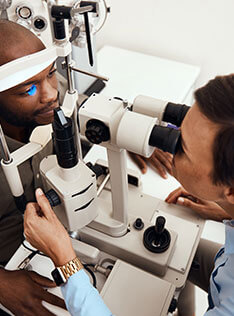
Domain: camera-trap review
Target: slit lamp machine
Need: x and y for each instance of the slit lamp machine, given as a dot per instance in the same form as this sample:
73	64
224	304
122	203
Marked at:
150	243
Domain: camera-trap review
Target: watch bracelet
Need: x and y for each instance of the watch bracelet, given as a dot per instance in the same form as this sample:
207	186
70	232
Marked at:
71	267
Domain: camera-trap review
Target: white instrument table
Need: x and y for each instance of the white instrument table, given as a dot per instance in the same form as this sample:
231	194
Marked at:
132	73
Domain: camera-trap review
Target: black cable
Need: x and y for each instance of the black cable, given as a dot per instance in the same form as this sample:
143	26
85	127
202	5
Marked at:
34	252
86	266
89	265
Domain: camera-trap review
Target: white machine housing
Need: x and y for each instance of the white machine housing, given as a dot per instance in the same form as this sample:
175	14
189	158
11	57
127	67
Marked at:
121	123
25	12
149	106
76	188
115	114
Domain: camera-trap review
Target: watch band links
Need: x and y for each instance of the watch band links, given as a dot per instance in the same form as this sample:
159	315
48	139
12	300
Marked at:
71	267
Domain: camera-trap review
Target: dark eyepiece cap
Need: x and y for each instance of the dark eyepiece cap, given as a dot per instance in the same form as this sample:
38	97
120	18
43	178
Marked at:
175	113
164	138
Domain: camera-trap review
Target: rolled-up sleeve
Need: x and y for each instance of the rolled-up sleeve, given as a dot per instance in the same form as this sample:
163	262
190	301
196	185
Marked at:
81	298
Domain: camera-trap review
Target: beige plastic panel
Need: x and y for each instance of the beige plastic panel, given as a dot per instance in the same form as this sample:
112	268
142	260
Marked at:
130	291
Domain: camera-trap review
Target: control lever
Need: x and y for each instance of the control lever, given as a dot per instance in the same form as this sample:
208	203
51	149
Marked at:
156	238
75	33
88	38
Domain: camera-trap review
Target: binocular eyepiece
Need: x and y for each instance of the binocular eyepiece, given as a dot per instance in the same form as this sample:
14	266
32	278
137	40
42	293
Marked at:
174	113
165	138
139	128
168	138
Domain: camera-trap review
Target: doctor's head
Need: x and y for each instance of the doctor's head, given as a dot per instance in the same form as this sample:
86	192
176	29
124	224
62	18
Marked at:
204	164
31	102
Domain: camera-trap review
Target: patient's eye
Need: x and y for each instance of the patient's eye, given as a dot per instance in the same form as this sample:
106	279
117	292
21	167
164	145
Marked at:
32	90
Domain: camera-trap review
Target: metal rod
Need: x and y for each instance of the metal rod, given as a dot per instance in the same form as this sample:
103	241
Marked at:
81	10
71	90
77	134
102	185
90	74
4	148
69	74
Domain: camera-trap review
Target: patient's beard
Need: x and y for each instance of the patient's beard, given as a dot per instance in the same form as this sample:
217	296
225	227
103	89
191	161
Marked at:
16	119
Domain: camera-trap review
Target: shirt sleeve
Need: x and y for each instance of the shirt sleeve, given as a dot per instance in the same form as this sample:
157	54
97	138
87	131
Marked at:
225	308
81	298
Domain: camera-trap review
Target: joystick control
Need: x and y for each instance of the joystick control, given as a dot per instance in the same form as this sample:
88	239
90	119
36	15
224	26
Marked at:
156	238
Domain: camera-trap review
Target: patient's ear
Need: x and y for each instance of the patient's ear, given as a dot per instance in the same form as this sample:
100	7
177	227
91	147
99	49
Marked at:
229	194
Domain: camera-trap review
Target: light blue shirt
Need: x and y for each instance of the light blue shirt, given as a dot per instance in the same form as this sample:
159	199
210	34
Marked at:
81	298
222	277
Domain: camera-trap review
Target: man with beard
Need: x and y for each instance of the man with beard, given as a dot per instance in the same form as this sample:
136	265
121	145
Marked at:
23	107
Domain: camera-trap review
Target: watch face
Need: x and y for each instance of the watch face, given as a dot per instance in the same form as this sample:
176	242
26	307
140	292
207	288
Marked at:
57	277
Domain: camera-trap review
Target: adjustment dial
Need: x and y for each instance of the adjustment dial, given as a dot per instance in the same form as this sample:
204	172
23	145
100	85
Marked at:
97	132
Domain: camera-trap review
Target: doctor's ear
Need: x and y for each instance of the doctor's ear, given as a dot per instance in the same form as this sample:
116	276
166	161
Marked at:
229	194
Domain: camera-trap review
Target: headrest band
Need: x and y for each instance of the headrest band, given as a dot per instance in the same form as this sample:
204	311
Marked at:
24	68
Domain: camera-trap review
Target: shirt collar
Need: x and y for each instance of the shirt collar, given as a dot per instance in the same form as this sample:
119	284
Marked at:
229	236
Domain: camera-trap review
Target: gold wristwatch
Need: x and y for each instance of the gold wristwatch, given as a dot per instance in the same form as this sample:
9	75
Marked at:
62	273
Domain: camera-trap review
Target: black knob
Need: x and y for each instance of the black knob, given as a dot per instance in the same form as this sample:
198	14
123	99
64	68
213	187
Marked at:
156	238
39	24
172	306
53	197
97	132
159	225
138	224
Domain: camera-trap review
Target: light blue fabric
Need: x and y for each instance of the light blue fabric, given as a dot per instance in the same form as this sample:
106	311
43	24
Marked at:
81	298
222	277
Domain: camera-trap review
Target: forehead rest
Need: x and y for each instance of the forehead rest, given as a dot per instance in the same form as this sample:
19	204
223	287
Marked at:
24	68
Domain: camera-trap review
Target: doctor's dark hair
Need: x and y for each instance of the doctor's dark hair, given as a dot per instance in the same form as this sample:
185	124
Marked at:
216	101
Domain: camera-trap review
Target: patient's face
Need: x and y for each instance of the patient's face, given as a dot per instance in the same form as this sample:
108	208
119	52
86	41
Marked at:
32	102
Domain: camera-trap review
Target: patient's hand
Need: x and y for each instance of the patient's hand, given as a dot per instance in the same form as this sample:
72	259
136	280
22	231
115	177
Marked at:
161	161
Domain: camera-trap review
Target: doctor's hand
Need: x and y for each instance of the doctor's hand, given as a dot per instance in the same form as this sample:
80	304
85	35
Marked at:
206	209
161	161
22	293
45	232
